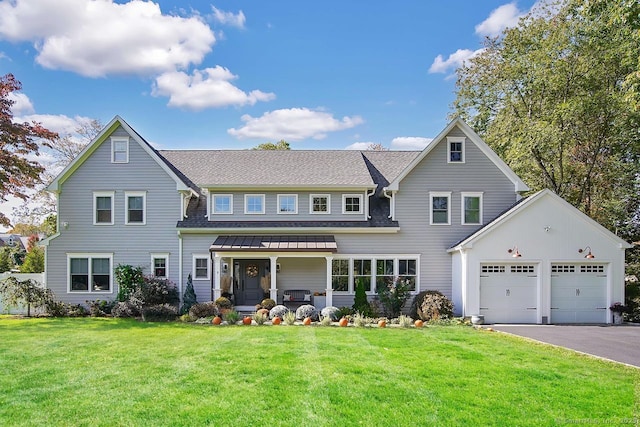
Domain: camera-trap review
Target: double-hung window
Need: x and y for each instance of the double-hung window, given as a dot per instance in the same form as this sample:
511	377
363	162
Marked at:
362	273
201	270
340	275
455	149
287	203
471	208
254	203
103	207
407	272
352	203
90	272
440	203
135	205
320	203
222	204
160	265
119	150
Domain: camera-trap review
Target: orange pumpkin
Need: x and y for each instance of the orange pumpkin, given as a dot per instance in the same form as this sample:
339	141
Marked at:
306	321
419	323
246	320
276	321
216	320
343	322
382	323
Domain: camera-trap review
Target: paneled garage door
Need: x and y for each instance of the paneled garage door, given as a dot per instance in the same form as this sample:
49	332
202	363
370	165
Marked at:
578	293
508	293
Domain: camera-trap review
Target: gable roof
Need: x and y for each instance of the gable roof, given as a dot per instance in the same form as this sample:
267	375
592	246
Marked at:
523	204
474	138
55	185
272	168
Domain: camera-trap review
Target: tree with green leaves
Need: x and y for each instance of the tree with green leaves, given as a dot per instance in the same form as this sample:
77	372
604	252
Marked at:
189	297
33	261
551	97
19	142
28	292
280	145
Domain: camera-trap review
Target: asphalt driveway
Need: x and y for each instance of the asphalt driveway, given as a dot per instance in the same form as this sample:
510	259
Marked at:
620	342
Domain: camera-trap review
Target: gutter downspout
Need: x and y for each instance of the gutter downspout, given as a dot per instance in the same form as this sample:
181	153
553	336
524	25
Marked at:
392	203
369	204
180	267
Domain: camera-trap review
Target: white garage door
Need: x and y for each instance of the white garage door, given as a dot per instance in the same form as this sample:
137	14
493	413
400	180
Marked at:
578	293
508	293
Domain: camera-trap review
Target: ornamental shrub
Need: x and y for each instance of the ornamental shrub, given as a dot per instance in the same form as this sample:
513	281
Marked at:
278	311
159	291
28	292
128	278
268	303
125	309
189	297
159	313
223	302
431	305
100	308
307	310
203	309
360	303
393	295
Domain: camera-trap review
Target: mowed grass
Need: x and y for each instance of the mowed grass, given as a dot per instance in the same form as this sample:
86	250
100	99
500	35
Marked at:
111	372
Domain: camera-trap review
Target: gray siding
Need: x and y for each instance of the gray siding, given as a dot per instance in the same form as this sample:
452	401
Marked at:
130	244
271	207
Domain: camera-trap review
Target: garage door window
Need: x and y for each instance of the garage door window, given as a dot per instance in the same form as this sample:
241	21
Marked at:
592	269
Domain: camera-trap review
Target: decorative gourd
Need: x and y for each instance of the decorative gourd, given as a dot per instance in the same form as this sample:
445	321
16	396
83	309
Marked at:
419	323
306	321
382	323
246	320
343	322
216	320
276	321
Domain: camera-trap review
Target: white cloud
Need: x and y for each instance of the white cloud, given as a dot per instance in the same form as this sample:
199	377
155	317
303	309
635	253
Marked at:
361	146
410	143
229	18
22	104
505	16
61	124
293	124
208	88
98	38
455	60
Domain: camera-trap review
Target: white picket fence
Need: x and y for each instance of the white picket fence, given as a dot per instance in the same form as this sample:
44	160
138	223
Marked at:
38	277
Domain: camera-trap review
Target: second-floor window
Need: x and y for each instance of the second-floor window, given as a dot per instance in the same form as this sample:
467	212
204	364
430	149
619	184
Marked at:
119	150
254	203
222	204
455	149
135	208
440	208
471	208
352	203
287	204
103	207
320	204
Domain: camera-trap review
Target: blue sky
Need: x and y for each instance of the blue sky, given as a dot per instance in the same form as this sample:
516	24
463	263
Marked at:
334	74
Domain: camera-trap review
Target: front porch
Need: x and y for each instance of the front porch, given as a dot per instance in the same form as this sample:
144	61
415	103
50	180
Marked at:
251	268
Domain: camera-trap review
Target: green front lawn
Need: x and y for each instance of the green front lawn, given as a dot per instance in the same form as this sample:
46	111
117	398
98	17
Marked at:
90	372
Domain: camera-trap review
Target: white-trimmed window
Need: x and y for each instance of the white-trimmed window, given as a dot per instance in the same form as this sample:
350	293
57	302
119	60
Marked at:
90	272
201	267
320	203
455	149
352	203
222	204
287	203
440	203
160	265
119	149
471	208
135	208
103	207
384	271
254	204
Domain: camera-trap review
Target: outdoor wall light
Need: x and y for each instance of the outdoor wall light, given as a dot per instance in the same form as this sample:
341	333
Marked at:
589	255
514	251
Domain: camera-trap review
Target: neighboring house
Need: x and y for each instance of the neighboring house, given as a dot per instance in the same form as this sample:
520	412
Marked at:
448	218
13	241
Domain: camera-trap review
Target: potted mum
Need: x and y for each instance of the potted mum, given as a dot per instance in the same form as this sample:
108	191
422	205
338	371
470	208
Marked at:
617	309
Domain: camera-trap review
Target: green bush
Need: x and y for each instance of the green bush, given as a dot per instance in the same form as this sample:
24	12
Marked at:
203	309
189	297
393	295
232	317
344	312
28	292
223	302
431	305
360	303
100	308
129	278
158	291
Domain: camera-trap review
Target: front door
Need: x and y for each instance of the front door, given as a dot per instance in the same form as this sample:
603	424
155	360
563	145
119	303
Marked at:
250	292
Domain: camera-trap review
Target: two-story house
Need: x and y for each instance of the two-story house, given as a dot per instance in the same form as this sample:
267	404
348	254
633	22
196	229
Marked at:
450	218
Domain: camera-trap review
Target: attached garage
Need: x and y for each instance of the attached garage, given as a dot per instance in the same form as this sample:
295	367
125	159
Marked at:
509	293
578	293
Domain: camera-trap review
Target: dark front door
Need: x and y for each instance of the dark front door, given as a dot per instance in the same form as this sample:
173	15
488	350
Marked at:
250	292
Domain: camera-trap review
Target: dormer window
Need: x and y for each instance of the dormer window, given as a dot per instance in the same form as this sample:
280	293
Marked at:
119	150
455	149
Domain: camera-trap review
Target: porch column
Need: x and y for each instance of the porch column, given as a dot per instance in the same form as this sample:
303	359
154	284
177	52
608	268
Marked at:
216	277
329	289
274	288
